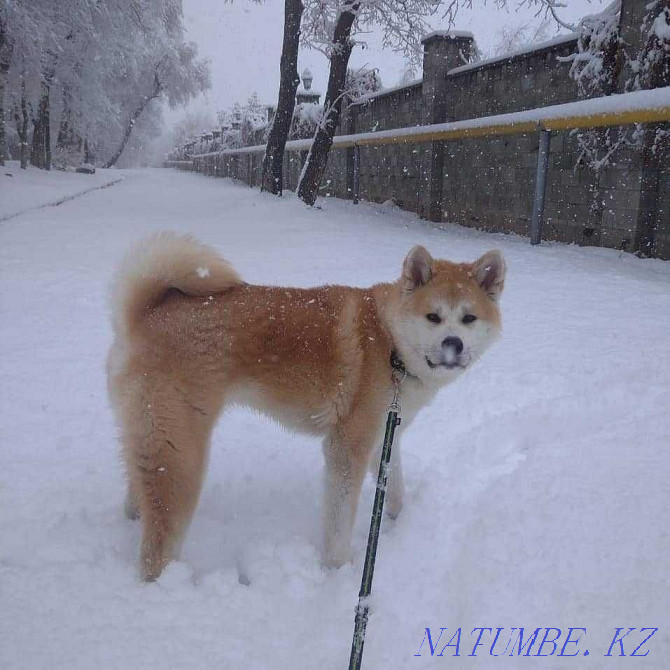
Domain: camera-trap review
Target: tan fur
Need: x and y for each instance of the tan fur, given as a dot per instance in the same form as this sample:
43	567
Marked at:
191	338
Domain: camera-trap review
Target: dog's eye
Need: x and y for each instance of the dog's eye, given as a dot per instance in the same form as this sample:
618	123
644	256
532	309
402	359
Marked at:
434	318
468	318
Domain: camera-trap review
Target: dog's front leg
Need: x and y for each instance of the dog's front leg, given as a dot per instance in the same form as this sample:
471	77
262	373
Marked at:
395	487
396	484
346	454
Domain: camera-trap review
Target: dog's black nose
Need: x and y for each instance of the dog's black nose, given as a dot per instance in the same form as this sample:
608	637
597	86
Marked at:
455	342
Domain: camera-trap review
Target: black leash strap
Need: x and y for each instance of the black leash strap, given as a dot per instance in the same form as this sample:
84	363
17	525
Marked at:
363	607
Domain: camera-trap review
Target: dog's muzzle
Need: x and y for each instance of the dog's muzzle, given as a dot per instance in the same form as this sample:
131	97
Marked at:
453	365
451	355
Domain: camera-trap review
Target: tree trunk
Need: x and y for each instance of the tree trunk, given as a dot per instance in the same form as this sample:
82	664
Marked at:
47	134
315	167
131	122
22	125
40	155
655	149
281	125
88	156
3	133
69	141
5	61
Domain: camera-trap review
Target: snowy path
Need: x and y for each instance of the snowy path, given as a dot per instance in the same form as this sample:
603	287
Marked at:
25	190
537	486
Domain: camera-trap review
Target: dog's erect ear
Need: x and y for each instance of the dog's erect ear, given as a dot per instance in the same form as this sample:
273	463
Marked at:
489	273
417	268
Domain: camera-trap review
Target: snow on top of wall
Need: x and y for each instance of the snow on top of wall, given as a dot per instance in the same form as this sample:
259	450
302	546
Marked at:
623	102
453	34
387	91
561	39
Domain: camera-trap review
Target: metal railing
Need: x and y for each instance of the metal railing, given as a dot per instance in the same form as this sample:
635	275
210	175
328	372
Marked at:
652	106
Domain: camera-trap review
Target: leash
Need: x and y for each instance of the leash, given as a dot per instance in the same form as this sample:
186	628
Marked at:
363	608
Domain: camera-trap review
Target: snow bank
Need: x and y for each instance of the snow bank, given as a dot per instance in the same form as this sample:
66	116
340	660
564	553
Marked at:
23	190
537	485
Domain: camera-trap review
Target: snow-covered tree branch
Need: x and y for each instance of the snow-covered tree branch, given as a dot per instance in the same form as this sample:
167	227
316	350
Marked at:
93	68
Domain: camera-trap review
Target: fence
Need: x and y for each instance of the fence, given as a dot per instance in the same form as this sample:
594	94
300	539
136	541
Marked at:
647	107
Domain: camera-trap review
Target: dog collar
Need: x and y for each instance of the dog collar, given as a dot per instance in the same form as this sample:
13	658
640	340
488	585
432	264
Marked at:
397	364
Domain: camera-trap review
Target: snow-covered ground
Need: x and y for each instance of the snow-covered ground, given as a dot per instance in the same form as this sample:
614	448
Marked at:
538	489
23	190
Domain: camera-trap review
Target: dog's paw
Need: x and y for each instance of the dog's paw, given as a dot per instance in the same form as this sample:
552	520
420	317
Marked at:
393	508
335	560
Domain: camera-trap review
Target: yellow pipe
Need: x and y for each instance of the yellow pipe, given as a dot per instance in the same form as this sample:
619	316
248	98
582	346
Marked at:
654	115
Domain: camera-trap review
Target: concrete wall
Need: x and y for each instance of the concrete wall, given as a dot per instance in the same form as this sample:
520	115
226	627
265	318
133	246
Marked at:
489	183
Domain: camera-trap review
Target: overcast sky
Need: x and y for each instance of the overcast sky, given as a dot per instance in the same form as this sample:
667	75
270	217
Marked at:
243	41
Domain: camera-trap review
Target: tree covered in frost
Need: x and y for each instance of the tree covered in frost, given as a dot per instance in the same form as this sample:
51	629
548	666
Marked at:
604	64
511	38
332	27
191	125
652	64
549	9
306	118
596	67
241	122
409	74
360	83
78	76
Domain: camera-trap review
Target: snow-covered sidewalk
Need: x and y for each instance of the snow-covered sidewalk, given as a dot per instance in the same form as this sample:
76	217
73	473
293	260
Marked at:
537	485
25	190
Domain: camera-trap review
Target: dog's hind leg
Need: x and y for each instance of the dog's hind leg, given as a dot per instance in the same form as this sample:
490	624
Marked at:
166	448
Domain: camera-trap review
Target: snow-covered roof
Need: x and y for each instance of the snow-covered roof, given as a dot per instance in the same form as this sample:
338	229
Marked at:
561	39
449	34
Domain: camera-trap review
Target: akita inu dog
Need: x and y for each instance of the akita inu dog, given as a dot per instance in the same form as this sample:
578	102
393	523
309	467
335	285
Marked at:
192	337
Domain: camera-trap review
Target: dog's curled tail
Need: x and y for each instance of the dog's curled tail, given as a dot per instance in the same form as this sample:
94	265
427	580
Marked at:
162	262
